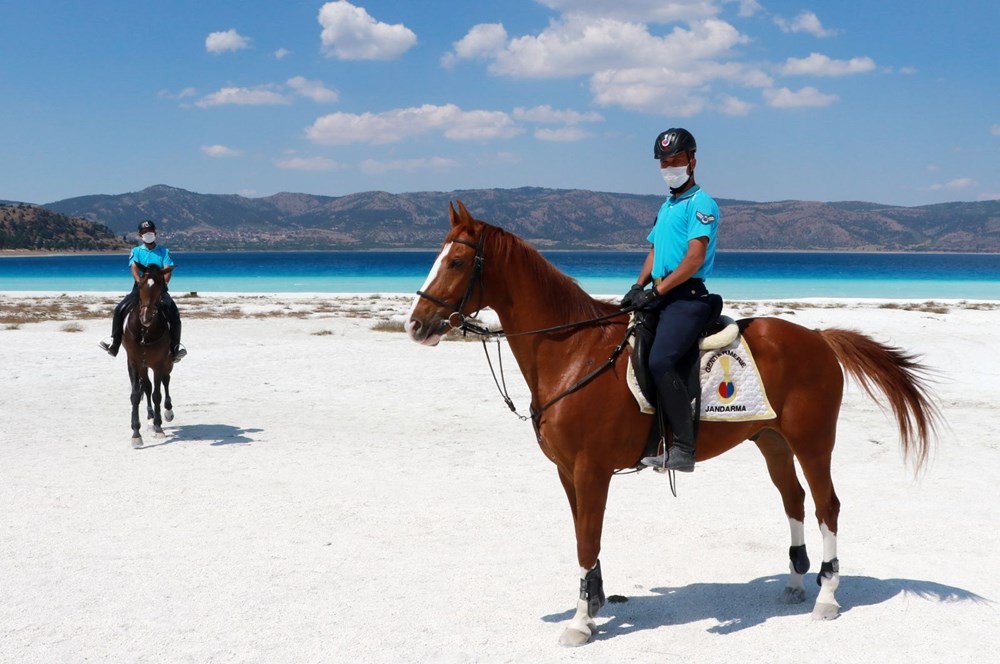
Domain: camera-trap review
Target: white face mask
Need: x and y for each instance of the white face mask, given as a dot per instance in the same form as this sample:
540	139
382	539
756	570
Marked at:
149	238
675	176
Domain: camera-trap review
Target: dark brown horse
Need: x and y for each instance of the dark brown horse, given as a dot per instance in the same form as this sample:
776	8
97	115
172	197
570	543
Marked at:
147	342
598	429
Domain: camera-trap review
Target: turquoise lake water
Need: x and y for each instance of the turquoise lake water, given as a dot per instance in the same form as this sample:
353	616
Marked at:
737	275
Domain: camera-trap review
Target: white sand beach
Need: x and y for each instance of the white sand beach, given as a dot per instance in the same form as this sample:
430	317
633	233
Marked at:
328	492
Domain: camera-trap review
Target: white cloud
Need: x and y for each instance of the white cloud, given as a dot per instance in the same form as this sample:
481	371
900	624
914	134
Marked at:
735	107
818	64
375	167
995	130
314	90
398	124
259	96
749	7
307	164
219	151
958	183
230	40
576	46
483	40
281	54
350	33
547	114
670	92
186	92
807	96
807	22
652	11
563	135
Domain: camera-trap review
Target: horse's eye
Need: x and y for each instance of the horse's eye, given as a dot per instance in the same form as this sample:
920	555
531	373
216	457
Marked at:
456	263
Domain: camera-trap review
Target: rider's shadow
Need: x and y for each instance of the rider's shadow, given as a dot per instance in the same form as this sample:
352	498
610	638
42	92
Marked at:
213	434
738	606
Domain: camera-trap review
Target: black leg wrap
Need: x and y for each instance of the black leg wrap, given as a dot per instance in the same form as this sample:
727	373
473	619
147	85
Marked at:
592	590
800	561
828	569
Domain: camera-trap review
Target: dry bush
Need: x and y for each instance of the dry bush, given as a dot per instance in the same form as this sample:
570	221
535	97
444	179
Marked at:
388	326
71	327
322	333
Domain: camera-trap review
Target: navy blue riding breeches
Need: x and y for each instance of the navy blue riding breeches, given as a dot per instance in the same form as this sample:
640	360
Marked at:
682	317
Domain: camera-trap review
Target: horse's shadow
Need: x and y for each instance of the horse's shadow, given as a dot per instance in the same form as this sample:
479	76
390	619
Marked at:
738	606
213	434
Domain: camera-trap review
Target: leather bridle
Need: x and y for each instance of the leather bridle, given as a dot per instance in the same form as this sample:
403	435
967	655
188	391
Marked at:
475	279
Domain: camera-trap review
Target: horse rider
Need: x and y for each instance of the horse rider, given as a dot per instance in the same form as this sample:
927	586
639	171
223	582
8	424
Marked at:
681	256
146	254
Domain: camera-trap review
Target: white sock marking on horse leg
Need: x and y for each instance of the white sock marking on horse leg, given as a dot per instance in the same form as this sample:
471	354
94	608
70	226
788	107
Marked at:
427	282
798	531
828	585
581	621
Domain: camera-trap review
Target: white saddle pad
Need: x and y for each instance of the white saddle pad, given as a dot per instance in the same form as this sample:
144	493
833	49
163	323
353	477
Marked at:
731	389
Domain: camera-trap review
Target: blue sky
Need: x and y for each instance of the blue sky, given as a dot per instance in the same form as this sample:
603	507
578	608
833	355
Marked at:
889	102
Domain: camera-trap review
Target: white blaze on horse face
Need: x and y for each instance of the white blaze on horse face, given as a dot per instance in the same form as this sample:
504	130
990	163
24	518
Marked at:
410	325
149	282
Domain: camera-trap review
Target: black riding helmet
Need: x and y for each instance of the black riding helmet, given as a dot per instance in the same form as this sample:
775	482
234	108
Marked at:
673	141
147	225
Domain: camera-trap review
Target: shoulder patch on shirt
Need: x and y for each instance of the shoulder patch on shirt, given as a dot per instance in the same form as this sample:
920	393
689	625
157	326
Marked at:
705	218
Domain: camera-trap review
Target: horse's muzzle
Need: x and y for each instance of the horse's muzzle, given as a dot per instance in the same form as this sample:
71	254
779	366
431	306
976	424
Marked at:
426	333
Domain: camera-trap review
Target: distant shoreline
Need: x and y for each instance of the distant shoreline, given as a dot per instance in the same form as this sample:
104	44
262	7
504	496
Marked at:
43	253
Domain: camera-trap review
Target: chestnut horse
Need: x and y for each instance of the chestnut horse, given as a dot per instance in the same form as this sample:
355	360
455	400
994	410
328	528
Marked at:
591	432
147	342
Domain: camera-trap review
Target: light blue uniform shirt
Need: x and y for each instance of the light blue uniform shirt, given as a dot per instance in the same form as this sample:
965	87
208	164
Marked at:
158	255
681	219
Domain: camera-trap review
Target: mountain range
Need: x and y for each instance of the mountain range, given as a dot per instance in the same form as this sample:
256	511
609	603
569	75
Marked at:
548	218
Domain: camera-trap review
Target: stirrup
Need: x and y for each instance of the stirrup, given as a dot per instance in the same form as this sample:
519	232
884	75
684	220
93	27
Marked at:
657	461
179	354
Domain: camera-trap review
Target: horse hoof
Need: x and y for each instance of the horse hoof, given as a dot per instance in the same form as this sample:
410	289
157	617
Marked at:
159	435
793	595
573	638
168	415
823	611
137	442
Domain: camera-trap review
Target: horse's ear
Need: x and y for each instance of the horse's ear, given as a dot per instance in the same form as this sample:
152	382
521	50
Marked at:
463	213
452	217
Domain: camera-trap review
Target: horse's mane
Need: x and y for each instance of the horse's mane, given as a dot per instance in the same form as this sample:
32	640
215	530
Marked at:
572	303
151	270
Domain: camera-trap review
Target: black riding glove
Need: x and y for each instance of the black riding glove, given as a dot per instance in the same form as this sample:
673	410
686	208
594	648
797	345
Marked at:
632	296
647	300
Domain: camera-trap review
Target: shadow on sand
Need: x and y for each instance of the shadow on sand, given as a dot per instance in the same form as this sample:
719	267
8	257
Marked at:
738	606
214	434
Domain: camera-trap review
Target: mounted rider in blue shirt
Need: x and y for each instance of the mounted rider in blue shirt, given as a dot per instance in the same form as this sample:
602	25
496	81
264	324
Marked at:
146	254
681	256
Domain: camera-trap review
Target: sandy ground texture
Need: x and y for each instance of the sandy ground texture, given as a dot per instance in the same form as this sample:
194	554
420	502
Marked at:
330	491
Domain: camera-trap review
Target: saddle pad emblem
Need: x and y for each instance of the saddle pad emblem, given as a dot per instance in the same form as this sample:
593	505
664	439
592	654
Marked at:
731	389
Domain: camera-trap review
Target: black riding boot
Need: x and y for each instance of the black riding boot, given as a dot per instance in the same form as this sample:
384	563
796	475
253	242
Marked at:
176	352
672	399
174	321
117	329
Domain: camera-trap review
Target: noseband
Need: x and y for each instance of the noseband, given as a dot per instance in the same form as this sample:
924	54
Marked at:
457	319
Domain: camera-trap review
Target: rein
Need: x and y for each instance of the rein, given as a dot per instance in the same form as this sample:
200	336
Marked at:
466	326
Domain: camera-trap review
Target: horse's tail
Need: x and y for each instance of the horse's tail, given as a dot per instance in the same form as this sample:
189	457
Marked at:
900	377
